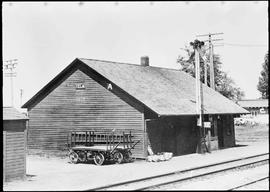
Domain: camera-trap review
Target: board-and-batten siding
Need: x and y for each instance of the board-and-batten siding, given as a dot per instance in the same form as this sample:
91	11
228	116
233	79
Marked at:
68	109
14	154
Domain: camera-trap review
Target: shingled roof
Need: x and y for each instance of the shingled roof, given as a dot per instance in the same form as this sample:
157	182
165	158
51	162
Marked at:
10	113
165	91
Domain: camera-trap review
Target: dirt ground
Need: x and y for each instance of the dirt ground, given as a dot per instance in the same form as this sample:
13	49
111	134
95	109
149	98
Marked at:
54	173
232	178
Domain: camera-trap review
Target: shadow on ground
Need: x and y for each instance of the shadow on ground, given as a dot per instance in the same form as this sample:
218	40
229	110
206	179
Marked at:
240	145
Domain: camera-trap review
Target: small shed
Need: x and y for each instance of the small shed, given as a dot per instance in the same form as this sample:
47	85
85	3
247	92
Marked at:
14	144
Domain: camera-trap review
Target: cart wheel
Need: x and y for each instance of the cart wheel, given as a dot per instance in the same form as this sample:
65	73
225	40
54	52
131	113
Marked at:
118	157
82	156
99	158
73	157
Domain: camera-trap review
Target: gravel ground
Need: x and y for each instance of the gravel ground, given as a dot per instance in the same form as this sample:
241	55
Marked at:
261	185
251	134
58	174
224	181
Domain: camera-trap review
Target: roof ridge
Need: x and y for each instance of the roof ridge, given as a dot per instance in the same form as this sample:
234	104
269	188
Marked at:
137	65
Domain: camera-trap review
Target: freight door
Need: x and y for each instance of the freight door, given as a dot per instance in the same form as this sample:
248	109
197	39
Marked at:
168	137
154	135
220	132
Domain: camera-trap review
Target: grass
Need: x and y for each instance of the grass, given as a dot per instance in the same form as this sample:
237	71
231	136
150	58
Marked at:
249	133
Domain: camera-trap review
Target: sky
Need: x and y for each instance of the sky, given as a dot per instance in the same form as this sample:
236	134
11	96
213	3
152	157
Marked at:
45	37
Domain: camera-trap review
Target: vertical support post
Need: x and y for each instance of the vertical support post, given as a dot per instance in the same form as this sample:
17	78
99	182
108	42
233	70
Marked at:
70	139
85	138
212	73
130	140
197	78
209	140
93	137
113	139
124	145
198	98
199	104
89	138
205	73
21	96
201	112
10	64
212	78
74	138
107	135
106	141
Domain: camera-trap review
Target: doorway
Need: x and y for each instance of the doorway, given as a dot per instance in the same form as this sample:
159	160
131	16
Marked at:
220	132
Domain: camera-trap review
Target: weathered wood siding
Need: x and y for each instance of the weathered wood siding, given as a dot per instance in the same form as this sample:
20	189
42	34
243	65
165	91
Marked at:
68	108
228	130
14	150
178	135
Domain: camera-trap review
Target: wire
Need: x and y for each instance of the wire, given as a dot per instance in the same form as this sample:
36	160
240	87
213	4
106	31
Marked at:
246	45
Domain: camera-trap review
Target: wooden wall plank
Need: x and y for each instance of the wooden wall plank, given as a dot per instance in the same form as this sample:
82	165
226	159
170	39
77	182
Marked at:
68	109
4	155
15	154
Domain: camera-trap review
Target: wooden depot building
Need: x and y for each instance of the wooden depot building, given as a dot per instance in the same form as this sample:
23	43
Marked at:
14	144
255	106
156	104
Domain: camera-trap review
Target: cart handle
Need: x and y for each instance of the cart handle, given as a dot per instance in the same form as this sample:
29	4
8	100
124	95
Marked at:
115	147
134	145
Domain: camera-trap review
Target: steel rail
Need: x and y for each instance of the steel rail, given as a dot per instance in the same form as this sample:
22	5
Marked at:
201	175
107	187
249	183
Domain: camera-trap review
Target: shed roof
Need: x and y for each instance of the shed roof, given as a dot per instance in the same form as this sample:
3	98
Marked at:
165	91
10	113
253	103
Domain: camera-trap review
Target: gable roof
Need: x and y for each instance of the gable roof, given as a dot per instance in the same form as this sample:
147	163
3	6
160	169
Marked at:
10	113
253	103
165	91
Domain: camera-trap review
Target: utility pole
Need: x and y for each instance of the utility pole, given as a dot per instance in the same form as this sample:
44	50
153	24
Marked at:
212	78
211	55
21	95
199	99
10	65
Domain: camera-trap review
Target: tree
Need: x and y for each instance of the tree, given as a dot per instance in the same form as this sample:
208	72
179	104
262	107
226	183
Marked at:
223	83
263	79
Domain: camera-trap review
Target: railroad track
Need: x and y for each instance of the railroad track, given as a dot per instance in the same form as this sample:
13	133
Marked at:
249	183
188	174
